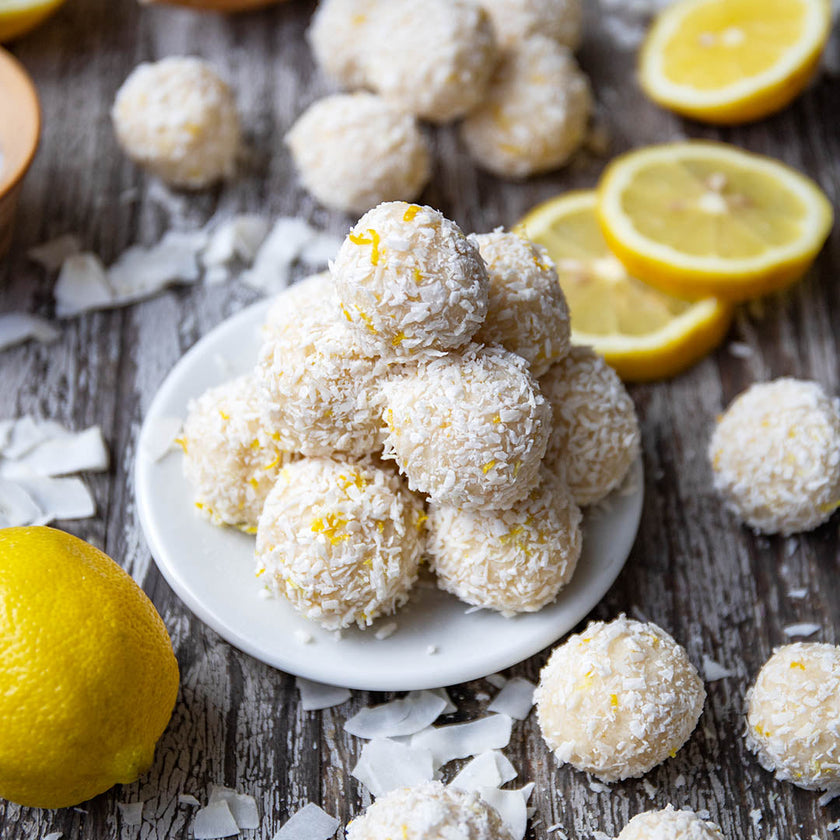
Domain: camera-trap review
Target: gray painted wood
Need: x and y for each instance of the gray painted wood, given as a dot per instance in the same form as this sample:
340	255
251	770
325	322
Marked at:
719	589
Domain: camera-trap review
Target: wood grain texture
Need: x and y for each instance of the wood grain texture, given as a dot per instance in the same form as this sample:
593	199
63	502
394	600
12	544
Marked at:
716	587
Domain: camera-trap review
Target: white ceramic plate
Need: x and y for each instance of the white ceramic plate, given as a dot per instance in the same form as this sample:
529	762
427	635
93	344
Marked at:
212	569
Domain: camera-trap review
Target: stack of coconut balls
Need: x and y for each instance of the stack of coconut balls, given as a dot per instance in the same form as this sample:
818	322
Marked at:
504	68
421	398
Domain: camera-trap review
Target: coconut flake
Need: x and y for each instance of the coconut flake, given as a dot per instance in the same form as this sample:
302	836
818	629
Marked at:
489	769
25	433
187	799
60	453
497	680
213	821
237	238
512	806
450	707
415	711
386	631
17	327
714	670
82	285
515	699
160	437
386	765
132	812
315	695
17	507
798	594
52	254
804	629
278	253
53	835
310	823
58	498
460	740
242	806
302	637
141	272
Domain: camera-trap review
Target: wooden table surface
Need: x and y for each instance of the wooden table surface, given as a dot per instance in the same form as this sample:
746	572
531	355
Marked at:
716	587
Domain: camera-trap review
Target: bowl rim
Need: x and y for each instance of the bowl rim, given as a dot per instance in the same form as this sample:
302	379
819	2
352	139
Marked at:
11	68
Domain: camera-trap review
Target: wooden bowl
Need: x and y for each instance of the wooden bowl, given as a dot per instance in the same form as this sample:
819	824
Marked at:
227	6
20	126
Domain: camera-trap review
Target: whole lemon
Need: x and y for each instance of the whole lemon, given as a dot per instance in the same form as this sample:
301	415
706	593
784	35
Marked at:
88	678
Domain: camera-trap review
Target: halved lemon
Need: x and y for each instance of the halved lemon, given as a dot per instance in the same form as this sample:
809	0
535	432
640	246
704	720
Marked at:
732	61
643	333
17	17
697	219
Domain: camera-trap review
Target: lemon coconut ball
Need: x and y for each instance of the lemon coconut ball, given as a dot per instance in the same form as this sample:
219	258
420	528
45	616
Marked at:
775	456
340	540
670	824
409	282
337	36
527	311
618	699
355	150
231	454
793	715
321	391
535	113
433	59
469	429
517	20
595	438
307	301
428	811
177	118
514	560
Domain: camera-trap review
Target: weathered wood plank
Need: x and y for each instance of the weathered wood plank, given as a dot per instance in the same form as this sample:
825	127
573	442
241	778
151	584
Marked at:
716	587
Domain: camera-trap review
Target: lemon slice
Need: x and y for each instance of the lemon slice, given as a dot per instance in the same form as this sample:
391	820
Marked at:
643	333
17	17
697	219
732	61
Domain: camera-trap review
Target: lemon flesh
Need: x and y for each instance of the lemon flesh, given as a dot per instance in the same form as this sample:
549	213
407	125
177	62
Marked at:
643	333
17	17
91	663
696	219
733	61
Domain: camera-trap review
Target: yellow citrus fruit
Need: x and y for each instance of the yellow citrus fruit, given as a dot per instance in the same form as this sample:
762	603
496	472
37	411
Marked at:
643	333
698	219
17	17
87	671
732	61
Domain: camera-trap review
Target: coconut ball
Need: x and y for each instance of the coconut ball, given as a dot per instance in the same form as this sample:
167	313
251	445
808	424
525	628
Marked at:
355	150
428	811
469	429
433	59
669	824
337	36
177	118
618	699
408	281
517	20
595	438
514	560
231	455
308	300
322	392
527	311
775	456
535	113
793	715
340	540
